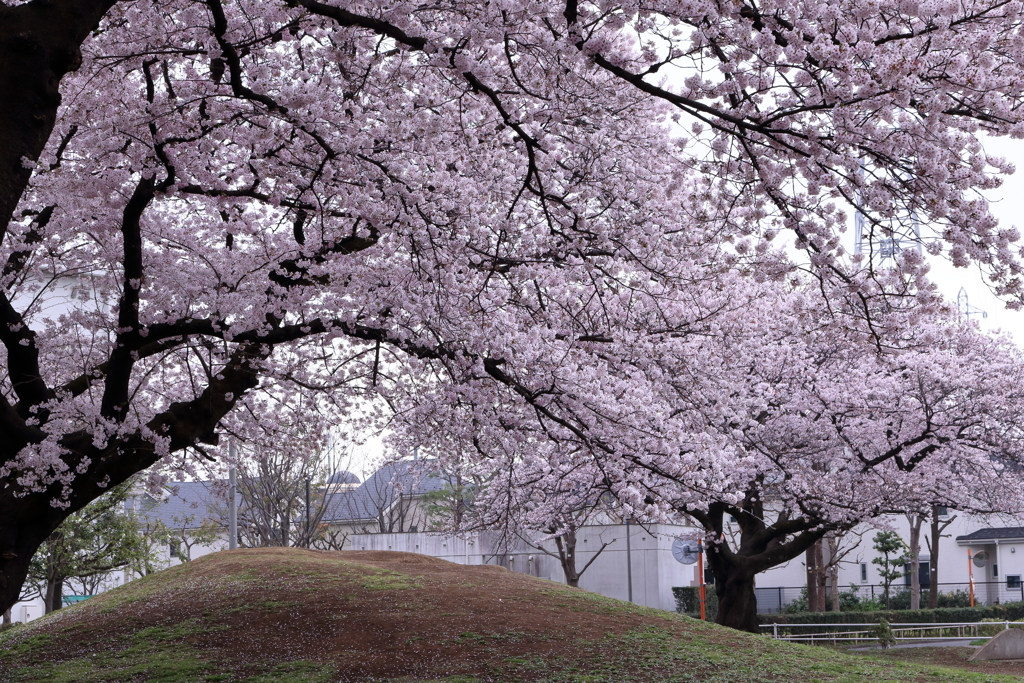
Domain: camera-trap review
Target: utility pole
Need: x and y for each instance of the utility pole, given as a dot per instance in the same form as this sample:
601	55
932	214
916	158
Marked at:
629	563
232	499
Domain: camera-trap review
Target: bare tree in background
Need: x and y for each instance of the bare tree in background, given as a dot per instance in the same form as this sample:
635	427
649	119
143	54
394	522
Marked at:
839	544
386	503
564	535
284	499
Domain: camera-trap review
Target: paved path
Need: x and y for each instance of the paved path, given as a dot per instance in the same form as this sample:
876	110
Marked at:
956	642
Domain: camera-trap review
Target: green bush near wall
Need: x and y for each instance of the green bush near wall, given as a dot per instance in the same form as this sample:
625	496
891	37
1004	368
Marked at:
1011	611
688	601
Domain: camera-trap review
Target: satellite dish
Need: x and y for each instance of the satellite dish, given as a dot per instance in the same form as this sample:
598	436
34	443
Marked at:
980	558
685	551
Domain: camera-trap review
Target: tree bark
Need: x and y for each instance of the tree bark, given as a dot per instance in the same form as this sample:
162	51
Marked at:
814	559
566	544
54	598
737	600
761	547
819	575
811	571
915	560
7	617
40	42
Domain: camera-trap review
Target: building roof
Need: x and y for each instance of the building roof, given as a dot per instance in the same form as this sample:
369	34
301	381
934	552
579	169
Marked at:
343	477
207	500
188	504
993	534
380	491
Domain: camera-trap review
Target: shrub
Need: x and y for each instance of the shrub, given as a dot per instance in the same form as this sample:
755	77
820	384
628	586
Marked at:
688	601
1011	611
884	634
957	598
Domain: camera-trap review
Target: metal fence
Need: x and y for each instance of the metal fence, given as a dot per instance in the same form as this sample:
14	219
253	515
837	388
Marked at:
867	633
791	598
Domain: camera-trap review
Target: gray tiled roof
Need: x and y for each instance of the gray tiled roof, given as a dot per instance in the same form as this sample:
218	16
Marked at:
380	490
994	534
207	499
201	500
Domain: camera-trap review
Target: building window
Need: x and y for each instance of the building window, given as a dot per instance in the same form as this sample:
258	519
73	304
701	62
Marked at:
864	572
941	511
1013	581
709	577
923	575
175	550
995	571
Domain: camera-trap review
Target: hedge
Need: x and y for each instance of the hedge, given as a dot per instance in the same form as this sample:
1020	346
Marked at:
688	601
1011	611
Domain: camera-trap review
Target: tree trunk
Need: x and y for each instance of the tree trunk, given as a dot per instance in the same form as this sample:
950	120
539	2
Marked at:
812	584
834	589
815	562
819	575
737	600
933	560
915	560
7	617
39	44
761	546
54	597
566	544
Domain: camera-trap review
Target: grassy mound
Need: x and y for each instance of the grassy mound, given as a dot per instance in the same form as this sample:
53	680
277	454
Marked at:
298	616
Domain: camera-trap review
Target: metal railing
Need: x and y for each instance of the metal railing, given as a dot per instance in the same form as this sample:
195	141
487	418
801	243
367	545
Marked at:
901	632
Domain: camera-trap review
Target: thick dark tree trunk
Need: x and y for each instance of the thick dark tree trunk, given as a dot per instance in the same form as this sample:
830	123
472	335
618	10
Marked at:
39	43
7	617
761	547
737	600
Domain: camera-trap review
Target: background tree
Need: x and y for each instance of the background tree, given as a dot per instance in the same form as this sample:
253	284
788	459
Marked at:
283	495
186	532
891	563
792	431
916	522
840	544
89	544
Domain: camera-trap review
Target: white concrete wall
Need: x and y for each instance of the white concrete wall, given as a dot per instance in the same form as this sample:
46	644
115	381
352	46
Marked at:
654	570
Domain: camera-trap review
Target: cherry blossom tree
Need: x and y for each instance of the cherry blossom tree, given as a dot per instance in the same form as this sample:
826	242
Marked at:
792	421
481	204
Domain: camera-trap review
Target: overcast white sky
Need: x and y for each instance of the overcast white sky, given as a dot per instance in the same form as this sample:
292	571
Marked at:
1008	206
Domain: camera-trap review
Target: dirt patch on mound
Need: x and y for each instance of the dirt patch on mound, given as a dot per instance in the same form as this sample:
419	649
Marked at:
379	614
299	616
